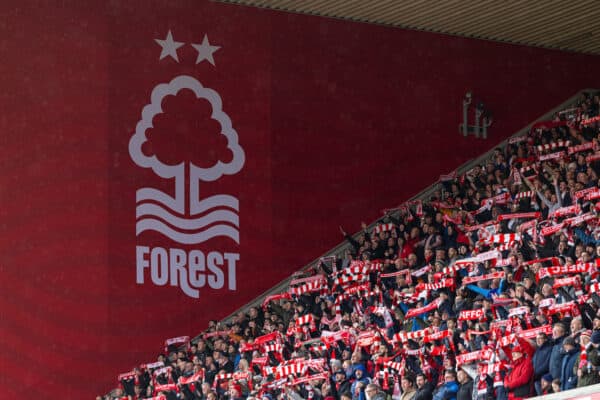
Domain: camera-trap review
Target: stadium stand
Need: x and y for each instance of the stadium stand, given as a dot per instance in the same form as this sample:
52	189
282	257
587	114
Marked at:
486	290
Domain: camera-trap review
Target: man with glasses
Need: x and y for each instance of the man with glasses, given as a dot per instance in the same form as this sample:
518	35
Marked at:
374	392
448	390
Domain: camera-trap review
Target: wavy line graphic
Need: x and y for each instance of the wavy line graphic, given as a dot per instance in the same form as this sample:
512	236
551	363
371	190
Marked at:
152	224
198	207
175	204
218	200
154	210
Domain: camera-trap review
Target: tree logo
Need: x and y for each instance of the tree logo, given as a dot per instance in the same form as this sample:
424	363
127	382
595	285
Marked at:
185	217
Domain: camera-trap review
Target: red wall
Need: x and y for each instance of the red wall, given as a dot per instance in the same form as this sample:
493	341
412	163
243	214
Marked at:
337	120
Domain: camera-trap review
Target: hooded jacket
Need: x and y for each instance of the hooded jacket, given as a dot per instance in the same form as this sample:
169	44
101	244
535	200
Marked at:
568	377
556	356
358	393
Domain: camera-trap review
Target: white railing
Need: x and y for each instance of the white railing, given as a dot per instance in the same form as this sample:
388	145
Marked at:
591	392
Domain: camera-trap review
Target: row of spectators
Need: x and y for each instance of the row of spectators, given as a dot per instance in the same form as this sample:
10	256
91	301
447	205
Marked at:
486	291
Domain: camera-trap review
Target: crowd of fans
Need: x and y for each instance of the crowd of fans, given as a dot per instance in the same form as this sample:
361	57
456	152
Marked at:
488	290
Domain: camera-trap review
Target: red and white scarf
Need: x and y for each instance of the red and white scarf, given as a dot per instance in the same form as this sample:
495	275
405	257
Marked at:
316	377
360	267
570	308
197	377
471	315
346	280
574	221
383	228
581	193
169	387
403	336
564	211
552	146
180	340
315	278
583	268
503	238
307	288
581	147
501	198
517	139
524	195
552	156
504	217
532	333
493	275
437	336
236	376
573	281
515	312
593	195
593	157
589	121
157	364
445	283
422	271
471	357
414	312
552	229
273	297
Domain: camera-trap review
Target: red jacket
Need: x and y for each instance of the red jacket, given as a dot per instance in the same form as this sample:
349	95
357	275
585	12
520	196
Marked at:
518	381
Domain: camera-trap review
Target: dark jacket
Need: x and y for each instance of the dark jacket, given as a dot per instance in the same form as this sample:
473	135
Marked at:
465	391
556	357
424	393
541	360
568	377
342	387
589	374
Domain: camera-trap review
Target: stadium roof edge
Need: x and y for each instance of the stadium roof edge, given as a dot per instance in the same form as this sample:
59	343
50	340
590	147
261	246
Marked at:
566	26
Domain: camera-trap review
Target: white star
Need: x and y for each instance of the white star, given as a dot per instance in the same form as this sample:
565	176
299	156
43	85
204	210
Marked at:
205	51
169	47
